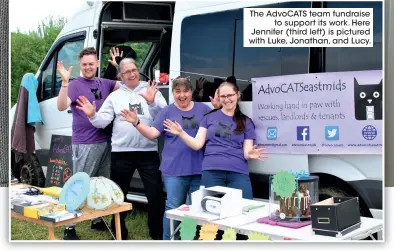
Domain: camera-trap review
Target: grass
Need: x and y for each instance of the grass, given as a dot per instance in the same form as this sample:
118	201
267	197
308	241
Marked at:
136	223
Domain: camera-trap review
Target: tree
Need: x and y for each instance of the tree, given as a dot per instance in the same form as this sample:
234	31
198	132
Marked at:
29	49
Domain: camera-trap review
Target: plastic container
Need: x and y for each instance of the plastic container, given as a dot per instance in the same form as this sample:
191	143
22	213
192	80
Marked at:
297	207
103	193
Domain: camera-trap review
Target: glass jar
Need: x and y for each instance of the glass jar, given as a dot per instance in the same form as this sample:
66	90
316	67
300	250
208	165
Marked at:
297	207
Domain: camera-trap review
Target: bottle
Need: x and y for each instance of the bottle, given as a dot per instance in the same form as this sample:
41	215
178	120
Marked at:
157	76
51	191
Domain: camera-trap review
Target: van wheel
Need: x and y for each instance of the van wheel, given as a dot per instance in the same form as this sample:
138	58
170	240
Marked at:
32	174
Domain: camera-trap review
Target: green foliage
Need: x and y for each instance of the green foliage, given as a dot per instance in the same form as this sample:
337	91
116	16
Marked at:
29	49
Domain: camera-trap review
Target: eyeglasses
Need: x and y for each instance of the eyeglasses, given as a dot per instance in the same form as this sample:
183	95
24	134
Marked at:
227	96
129	72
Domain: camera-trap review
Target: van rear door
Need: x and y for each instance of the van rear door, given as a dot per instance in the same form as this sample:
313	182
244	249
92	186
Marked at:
145	27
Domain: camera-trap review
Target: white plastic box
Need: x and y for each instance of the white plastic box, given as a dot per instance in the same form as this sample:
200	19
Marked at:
215	203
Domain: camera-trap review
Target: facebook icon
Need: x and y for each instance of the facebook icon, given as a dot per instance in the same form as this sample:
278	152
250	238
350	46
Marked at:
303	133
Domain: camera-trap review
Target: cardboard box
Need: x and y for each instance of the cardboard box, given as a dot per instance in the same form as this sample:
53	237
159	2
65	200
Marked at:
335	216
215	203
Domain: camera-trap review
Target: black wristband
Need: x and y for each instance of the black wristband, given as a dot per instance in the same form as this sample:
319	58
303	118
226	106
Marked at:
138	122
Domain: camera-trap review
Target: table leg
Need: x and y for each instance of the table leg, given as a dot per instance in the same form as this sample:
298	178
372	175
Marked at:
380	235
117	227
51	233
172	229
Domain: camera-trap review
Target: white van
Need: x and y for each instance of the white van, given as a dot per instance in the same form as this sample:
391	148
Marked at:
207	42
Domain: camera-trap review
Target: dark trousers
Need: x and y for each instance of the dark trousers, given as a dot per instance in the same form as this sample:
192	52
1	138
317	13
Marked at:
123	165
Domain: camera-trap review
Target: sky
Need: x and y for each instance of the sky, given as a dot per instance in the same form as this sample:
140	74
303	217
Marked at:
27	14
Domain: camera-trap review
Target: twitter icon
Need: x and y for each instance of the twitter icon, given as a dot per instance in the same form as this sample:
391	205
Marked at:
332	132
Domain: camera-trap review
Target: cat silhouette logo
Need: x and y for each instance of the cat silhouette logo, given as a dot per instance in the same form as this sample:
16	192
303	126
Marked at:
223	130
368	101
189	121
67	173
97	93
138	108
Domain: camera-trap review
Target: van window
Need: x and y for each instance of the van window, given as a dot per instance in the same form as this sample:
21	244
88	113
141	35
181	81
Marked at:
68	54
47	80
207	43
252	62
358	59
212	50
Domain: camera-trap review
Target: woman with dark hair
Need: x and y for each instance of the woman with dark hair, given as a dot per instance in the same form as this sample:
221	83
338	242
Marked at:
180	165
232	79
228	136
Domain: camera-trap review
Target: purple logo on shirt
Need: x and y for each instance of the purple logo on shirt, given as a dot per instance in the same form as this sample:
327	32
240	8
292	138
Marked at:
223	131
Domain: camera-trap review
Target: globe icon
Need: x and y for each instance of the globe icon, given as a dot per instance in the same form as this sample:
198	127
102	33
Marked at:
369	132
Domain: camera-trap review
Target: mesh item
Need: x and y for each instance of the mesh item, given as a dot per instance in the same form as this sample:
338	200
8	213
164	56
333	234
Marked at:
4	94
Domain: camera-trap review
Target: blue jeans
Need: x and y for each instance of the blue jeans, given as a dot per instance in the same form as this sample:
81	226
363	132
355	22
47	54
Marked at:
235	180
177	190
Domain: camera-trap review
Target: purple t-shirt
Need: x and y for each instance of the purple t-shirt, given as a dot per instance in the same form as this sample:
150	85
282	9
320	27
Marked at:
224	148
98	89
177	158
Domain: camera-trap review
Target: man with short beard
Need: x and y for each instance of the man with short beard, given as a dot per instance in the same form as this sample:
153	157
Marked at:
91	146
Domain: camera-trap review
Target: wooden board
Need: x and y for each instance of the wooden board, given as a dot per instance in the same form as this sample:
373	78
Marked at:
60	163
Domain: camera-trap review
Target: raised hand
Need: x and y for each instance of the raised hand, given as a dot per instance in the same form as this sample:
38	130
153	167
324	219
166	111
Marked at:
172	127
84	105
114	52
129	116
150	93
257	153
65	74
200	83
216	101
